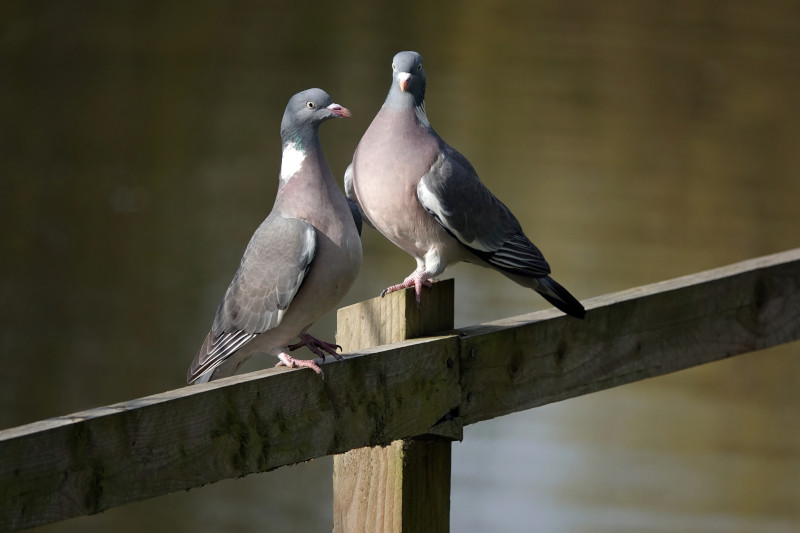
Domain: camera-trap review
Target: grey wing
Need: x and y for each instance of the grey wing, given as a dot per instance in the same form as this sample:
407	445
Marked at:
270	274
453	194
356	212
352	200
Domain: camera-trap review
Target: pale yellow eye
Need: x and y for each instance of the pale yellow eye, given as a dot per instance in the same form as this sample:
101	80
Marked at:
310	105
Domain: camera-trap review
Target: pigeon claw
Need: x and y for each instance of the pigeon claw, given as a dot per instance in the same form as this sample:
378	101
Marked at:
289	361
319	347
416	280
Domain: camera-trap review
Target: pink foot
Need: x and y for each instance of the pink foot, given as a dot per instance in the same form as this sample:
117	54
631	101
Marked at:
291	362
416	280
319	347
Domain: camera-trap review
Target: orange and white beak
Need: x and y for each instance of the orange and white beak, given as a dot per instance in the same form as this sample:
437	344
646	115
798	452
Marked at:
339	111
403	78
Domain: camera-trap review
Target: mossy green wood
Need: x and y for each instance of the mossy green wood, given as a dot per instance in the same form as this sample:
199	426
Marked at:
531	360
97	459
94	460
405	486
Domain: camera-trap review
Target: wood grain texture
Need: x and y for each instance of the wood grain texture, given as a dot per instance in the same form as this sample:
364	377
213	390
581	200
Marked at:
94	460
396	317
98	459
532	360
403	487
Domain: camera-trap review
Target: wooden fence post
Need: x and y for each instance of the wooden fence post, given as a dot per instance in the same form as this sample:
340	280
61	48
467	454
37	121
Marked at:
405	486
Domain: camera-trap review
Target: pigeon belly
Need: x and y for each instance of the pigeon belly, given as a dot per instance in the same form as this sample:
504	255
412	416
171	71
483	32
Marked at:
387	166
336	262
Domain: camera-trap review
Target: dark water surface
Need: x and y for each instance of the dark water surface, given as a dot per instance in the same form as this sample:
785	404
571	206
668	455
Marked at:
635	140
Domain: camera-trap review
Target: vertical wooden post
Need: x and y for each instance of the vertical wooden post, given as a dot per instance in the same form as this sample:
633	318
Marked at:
403	487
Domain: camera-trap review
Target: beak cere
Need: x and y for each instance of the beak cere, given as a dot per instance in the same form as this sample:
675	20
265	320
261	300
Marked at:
339	111
403	79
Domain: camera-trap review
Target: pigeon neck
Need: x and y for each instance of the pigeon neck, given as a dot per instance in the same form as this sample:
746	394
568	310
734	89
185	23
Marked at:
296	150
398	100
304	138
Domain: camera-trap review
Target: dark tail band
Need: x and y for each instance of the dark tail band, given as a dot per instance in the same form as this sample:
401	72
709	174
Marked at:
560	297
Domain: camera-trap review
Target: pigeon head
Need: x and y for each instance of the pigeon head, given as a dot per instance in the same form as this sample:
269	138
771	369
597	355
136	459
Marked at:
408	78
306	111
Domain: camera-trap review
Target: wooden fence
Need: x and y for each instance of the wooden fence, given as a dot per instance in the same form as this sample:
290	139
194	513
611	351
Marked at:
408	398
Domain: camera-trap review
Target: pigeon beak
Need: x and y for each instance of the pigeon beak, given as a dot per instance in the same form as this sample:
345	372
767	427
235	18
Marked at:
403	79
339	111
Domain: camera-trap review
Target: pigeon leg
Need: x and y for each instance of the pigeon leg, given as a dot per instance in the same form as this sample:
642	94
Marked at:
319	347
291	362
416	280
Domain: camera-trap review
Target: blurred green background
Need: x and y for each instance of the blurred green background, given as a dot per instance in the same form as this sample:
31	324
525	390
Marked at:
635	140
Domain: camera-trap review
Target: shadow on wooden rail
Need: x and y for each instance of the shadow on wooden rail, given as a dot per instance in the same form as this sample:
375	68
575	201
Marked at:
101	458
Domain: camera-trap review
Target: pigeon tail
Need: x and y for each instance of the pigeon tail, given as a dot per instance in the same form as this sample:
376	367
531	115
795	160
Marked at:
204	378
559	297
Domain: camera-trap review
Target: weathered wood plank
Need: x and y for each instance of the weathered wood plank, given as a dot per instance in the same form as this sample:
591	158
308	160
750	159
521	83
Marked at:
396	317
531	360
98	459
403	487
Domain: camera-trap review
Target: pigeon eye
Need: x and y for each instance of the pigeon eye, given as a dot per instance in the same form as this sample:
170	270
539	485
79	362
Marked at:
393	67
310	105
419	67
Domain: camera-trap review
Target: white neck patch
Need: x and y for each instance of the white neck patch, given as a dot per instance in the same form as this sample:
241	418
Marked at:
291	161
422	116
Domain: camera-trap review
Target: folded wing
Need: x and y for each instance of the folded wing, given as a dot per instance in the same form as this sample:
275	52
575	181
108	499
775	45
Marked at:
454	195
271	272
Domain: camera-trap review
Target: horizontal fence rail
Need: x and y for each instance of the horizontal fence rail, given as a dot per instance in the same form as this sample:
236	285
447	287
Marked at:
101	458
